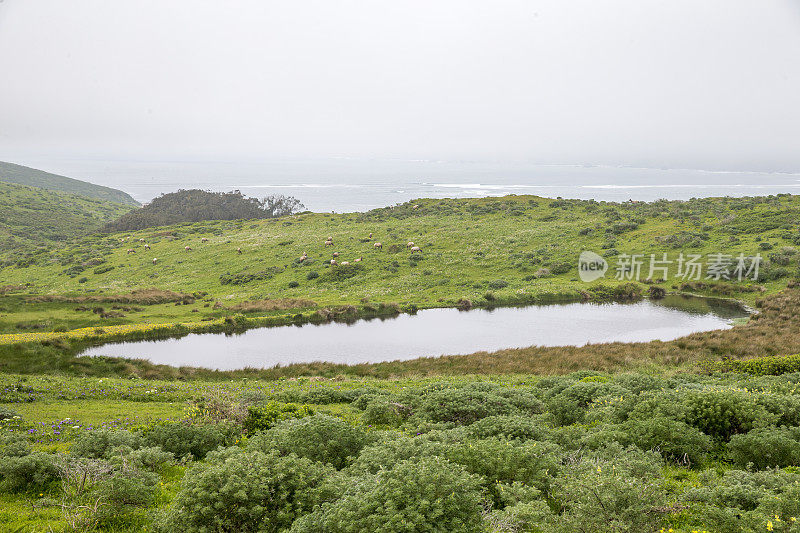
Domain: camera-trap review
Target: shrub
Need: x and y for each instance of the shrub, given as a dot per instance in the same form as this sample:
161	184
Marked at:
342	272
615	490
263	417
27	473
7	413
14	445
384	413
722	414
183	439
312	275
760	366
560	267
122	491
564	411
319	396
101	443
318	437
674	440
499	460
498	284
245	491
293	284
465	405
509	426
393	449
151	458
427	494
766	448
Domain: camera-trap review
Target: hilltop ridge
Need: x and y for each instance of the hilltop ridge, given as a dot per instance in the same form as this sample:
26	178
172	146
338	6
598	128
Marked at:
22	175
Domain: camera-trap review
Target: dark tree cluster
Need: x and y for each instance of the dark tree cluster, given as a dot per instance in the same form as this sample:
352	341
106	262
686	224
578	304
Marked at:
188	206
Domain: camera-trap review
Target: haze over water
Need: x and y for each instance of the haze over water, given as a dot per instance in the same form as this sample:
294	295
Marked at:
346	184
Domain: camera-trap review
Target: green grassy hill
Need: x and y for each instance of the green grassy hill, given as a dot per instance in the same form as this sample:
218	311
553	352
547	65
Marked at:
489	251
31	217
21	175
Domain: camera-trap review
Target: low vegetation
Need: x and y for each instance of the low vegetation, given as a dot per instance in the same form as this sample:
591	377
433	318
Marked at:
583	452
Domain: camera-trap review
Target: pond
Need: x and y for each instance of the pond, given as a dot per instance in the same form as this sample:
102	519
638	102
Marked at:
435	332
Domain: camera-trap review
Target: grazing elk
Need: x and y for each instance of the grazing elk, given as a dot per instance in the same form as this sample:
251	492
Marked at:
378	245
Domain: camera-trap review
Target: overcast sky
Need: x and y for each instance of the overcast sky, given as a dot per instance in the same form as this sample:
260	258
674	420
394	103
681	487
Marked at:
704	83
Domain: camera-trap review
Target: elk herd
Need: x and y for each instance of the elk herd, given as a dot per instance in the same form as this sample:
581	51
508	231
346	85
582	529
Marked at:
328	242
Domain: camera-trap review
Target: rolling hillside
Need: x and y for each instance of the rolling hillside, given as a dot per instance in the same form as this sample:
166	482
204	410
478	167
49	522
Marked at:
20	175
30	216
488	251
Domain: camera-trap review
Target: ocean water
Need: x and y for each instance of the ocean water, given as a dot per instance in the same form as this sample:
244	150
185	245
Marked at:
347	185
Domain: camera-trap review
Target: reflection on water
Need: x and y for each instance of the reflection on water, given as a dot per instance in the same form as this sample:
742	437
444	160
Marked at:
435	332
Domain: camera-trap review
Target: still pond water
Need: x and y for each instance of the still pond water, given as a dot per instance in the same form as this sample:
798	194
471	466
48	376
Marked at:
436	332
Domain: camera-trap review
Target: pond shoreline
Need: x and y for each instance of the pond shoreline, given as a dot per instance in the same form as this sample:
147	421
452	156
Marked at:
349	339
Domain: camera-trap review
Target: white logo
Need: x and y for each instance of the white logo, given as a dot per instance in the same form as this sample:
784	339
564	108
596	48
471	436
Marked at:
591	266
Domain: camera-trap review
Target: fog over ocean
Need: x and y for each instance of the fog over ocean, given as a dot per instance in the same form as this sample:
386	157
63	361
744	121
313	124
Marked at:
346	185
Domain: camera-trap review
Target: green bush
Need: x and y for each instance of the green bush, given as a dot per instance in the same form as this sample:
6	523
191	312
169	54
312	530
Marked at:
151	458
739	501
392	449
614	490
319	396
183	439
498	284
564	411
465	405
244	491
676	441
122	492
381	412
7	413
318	437
101	443
28	473
14	445
428	494
502	461
766	448
263	417
760	366
509	426
722	414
